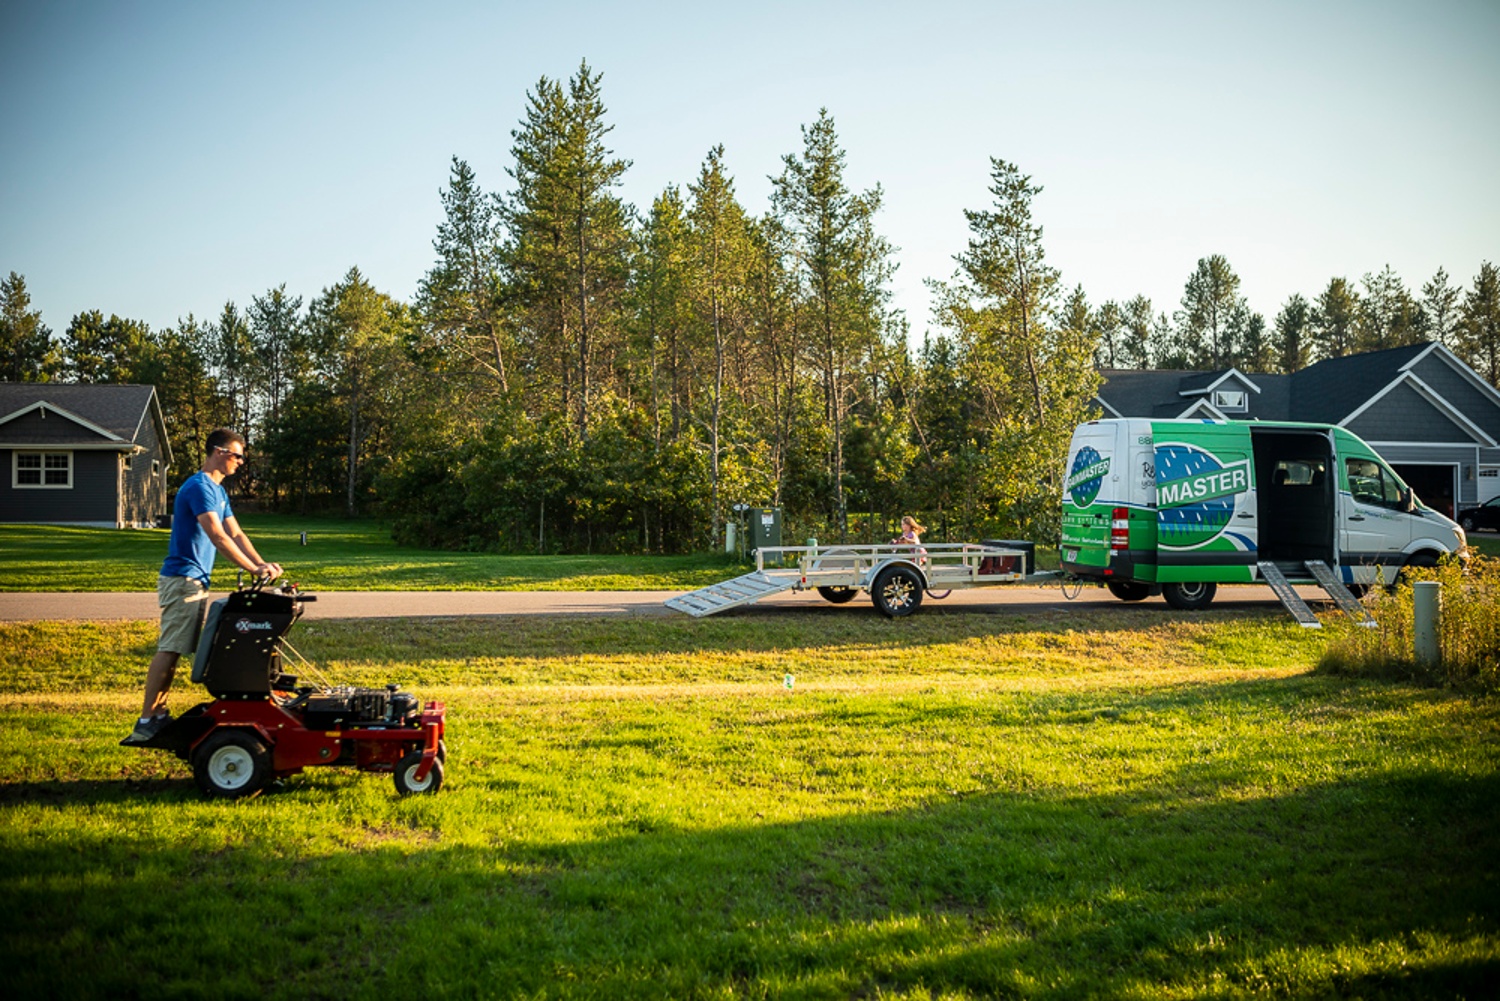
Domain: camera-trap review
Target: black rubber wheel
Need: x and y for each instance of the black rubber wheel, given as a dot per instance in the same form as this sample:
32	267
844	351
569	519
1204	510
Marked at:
897	592
838	595
231	764
939	595
1466	523
1129	590
1189	597
406	780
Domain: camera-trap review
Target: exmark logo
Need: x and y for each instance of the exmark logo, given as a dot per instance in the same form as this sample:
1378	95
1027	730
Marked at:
1086	476
247	626
1195	494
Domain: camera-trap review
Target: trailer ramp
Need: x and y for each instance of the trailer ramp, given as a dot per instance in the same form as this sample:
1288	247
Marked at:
1340	594
741	590
1271	574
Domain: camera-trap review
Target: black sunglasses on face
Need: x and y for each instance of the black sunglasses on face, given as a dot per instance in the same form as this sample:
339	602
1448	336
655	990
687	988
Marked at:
235	455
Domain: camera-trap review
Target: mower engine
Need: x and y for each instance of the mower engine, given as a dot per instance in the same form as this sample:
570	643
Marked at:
263	724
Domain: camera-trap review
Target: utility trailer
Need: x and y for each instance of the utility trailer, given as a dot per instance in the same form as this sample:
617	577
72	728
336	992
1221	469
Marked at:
895	576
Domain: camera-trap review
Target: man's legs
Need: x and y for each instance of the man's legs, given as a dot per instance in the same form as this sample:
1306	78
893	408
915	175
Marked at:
158	682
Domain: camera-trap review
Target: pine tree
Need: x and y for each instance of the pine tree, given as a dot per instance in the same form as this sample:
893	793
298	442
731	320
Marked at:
1481	324
1136	346
233	355
459	299
1440	309
26	352
1292	341
722	251
1388	316
569	242
96	350
661	311
844	267
1033	377
1333	319
1208	300
355	330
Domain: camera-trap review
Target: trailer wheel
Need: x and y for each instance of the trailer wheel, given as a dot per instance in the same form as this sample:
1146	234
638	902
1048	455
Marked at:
231	764
837	595
1129	590
897	592
406	775
1189	597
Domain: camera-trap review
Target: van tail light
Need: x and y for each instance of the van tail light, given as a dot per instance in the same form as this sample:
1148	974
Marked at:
1119	528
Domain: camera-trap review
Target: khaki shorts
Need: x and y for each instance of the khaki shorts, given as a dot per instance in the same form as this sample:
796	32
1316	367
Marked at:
184	604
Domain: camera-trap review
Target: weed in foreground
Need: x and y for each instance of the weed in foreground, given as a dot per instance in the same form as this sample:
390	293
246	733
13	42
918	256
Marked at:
1469	632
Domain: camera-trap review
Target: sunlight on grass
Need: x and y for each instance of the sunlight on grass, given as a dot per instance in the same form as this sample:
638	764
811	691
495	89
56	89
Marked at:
962	806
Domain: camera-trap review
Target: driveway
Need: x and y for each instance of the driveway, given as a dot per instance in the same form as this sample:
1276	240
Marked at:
429	604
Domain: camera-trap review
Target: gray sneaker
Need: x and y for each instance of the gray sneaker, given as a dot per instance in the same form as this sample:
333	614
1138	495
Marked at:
144	732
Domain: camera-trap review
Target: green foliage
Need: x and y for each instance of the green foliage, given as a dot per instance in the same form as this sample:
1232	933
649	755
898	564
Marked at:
1030	375
1480	324
1469	637
26	351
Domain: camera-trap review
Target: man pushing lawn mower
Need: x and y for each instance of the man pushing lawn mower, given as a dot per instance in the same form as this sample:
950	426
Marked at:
203	524
263	725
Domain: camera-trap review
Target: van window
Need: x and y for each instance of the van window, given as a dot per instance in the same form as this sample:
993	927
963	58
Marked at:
1300	473
1372	483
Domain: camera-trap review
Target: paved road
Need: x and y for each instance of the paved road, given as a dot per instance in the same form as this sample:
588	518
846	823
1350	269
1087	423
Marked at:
424	604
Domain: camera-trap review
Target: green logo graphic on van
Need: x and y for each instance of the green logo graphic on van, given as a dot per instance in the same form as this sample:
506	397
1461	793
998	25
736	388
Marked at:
1086	476
1195	494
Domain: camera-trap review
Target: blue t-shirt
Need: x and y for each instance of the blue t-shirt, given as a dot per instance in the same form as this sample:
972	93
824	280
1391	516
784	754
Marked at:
190	553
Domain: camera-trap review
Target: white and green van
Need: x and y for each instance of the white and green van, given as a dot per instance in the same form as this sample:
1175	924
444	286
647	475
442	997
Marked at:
1178	507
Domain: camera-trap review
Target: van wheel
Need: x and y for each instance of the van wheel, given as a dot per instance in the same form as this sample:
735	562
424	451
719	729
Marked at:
1189	597
1129	590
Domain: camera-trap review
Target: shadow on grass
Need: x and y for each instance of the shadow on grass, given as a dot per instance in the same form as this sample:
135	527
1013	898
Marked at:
1382	885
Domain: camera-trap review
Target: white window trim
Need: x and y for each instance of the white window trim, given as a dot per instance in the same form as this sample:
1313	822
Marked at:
15	470
1222	407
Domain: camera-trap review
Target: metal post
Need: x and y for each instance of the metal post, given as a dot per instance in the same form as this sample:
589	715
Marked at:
729	546
1427	617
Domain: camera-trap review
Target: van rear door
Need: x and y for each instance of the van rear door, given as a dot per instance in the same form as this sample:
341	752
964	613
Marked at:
1089	495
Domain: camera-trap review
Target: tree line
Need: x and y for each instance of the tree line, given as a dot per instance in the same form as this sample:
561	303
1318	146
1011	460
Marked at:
575	373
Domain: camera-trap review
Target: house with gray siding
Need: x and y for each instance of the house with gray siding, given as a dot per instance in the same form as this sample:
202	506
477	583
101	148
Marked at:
1426	412
82	455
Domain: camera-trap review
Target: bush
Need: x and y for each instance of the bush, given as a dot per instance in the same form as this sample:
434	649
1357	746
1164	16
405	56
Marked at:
1469	632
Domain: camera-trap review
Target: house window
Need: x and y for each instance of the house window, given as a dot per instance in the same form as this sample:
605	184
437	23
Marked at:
41	470
155	467
1230	400
129	462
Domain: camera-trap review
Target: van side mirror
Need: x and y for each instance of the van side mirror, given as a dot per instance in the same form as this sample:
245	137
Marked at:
1409	500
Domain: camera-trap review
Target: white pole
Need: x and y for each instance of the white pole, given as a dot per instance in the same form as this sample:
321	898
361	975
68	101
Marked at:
729	528
1427	613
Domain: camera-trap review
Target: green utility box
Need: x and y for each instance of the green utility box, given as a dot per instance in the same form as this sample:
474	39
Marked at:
765	527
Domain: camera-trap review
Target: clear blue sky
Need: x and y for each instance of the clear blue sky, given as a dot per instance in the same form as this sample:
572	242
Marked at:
162	158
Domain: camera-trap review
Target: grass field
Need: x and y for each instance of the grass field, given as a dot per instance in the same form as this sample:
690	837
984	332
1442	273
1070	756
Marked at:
1101	804
339	556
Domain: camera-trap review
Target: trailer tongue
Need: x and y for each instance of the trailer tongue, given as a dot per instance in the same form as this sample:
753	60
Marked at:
895	576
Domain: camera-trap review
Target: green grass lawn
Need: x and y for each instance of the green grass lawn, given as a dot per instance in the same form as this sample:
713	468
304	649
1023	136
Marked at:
1096	804
339	556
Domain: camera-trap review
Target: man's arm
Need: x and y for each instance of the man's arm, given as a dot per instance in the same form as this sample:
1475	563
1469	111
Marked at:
229	540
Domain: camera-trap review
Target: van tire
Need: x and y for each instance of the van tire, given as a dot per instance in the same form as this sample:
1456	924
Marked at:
1189	597
1129	590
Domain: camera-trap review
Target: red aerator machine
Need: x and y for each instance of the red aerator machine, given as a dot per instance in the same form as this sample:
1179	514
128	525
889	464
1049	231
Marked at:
264	725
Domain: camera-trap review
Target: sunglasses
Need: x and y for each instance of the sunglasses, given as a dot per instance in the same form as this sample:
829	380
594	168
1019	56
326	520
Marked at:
235	455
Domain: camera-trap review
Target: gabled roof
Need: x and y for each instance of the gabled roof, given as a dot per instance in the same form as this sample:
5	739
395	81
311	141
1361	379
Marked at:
100	414
1334	391
1329	391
